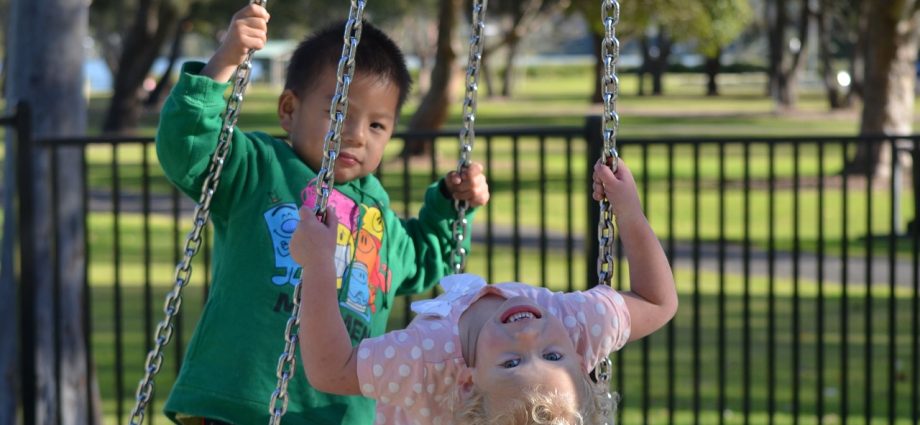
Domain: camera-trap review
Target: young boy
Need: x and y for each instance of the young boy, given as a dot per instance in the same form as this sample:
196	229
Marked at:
228	372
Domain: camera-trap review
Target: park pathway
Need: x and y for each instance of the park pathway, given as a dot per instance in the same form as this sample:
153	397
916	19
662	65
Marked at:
759	265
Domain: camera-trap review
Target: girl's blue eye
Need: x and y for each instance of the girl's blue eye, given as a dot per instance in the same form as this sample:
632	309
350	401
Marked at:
508	364
553	356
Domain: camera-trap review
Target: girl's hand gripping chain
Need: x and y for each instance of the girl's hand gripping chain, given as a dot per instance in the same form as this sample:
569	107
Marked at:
619	188
313	243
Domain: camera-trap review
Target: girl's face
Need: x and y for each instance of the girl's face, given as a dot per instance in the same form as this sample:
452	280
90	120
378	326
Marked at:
522	346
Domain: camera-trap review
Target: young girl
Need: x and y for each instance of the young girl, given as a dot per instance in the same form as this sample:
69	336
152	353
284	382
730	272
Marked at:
506	353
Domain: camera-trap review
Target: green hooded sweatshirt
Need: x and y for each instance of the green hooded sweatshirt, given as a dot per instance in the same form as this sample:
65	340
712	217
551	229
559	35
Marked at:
228	372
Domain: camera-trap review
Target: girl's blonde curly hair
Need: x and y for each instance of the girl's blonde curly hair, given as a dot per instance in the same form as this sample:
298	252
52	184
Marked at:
537	406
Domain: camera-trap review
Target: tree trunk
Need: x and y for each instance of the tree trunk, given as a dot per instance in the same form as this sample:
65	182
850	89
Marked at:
775	18
432	111
46	53
643	68
658	79
508	73
785	92
655	55
10	369
713	66
890	78
526	18
486	73
860	51
658	64
831	87
153	22
421	42
165	83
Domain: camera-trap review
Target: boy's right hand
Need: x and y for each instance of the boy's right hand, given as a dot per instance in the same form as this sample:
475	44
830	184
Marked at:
248	31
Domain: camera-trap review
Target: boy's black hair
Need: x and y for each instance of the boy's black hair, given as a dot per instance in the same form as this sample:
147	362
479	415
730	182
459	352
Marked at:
377	54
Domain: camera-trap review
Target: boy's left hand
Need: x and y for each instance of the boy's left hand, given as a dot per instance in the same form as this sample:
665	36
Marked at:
470	185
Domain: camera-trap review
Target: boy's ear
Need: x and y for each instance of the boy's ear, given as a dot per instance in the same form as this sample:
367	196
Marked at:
465	384
287	107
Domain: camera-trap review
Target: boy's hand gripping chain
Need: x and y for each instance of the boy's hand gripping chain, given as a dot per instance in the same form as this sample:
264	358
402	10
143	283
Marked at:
325	180
606	230
468	132
193	242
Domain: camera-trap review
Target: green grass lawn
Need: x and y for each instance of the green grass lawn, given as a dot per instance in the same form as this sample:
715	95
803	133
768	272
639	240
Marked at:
549	98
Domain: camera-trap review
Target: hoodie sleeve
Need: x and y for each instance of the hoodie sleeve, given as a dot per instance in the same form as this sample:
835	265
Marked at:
422	248
187	136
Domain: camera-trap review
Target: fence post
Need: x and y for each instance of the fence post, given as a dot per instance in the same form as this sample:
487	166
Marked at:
914	226
26	274
897	185
595	144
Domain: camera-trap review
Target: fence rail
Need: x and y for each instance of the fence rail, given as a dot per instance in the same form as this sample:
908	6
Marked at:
798	281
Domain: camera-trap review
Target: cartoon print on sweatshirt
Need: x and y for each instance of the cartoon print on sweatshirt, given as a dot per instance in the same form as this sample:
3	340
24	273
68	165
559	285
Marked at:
282	220
359	294
367	251
359	241
344	246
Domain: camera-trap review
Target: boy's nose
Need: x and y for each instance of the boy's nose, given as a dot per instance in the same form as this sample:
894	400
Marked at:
353	132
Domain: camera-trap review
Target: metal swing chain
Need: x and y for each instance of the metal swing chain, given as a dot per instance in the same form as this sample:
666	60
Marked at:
468	132
606	230
325	181
193	242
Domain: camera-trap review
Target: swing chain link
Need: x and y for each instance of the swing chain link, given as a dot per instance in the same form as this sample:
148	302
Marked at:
606	231
468	131
193	241
325	181
345	71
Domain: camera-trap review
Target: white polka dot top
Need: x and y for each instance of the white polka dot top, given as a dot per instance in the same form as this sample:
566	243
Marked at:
412	372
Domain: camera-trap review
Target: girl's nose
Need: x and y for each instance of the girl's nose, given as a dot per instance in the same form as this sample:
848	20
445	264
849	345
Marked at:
528	334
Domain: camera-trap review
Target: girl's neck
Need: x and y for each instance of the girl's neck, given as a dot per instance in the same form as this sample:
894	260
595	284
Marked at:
471	322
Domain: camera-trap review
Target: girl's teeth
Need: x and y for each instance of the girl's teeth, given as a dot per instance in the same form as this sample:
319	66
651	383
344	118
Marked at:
519	316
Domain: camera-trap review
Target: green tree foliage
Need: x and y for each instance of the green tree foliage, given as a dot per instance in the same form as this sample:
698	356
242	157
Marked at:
714	24
133	33
635	16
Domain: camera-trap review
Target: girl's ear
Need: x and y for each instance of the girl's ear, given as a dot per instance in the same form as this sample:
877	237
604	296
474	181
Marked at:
465	384
287	108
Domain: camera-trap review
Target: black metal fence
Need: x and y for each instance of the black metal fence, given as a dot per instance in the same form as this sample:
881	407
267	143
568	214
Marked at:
799	283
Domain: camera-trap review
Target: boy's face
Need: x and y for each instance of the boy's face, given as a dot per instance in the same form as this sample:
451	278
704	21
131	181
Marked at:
370	122
522	346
